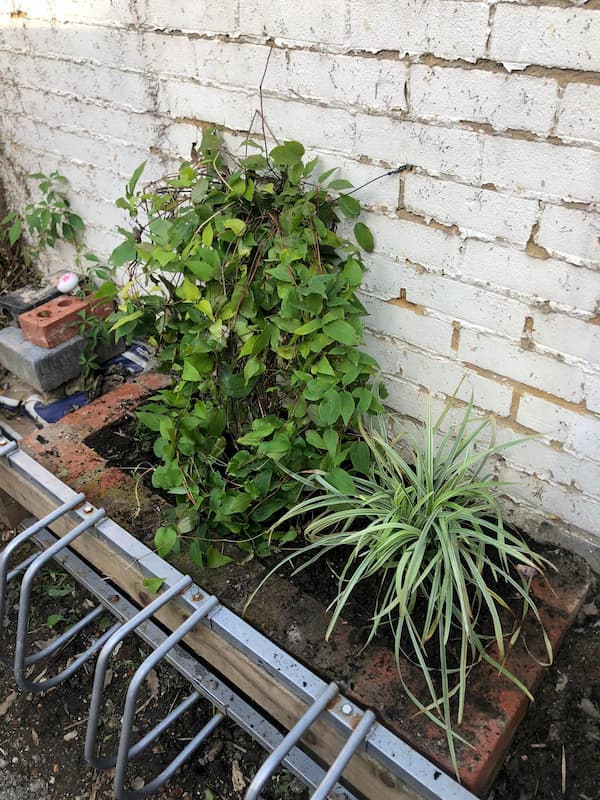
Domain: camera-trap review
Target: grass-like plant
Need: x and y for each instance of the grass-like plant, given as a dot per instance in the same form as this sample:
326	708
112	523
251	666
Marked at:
426	524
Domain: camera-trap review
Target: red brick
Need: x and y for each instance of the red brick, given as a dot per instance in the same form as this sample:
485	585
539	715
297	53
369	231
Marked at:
115	404
494	706
59	320
154	381
60	450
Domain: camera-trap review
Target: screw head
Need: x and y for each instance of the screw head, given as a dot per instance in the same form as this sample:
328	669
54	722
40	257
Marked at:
3	441
346	709
88	508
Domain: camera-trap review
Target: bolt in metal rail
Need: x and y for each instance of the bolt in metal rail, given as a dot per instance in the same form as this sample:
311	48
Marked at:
416	775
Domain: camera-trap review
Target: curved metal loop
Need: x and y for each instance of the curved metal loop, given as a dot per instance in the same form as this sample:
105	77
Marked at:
12	547
102	663
355	740
123	756
293	737
63	639
22	659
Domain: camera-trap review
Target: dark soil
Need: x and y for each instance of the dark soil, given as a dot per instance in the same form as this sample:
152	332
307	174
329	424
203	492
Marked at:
127	444
562	729
42	735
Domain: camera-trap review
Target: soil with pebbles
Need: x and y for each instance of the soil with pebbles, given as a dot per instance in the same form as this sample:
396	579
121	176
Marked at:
42	735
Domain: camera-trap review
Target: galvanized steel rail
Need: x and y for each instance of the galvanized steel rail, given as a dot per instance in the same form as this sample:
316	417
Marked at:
357	730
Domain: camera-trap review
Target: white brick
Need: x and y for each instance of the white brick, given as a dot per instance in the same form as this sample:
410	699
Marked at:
553	37
571	234
315	127
404	240
347	80
579	113
546	462
481	212
442	375
568	335
317	21
592	395
459	301
385	350
558	504
351	80
110	46
547	170
201	16
382	194
100	212
98	183
578	431
125	89
509	360
212	60
503	101
408	399
206	104
422	330
504	266
84	148
447	29
133	128
439	150
100	240
111	12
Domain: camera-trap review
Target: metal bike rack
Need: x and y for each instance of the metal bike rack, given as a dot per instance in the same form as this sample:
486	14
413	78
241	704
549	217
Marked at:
358	730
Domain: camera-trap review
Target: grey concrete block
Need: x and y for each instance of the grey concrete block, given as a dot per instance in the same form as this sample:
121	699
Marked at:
44	369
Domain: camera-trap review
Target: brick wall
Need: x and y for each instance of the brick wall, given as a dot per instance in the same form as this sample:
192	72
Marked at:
487	246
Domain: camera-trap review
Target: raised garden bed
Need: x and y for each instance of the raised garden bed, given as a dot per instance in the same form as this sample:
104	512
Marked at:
296	621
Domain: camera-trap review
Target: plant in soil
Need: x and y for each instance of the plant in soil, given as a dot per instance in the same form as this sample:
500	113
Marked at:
425	521
239	277
46	221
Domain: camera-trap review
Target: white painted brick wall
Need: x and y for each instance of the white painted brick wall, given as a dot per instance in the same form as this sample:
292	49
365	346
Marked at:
564	334
439	150
571	234
578	114
506	358
579	432
545	35
317	21
482	212
544	170
486	248
514	271
200	16
446	29
503	101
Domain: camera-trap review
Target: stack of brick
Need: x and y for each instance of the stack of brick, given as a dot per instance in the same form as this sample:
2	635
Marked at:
45	349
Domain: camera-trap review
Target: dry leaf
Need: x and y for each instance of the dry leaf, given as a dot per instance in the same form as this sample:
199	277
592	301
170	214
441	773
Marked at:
210	755
4	706
589	708
153	684
237	779
108	678
590	610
